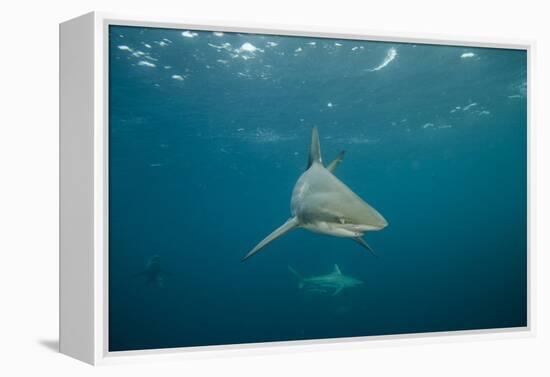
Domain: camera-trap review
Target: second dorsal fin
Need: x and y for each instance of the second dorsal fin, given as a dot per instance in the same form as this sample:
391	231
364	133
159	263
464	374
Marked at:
334	164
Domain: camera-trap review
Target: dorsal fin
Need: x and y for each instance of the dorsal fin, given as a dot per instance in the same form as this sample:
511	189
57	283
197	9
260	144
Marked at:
337	270
314	149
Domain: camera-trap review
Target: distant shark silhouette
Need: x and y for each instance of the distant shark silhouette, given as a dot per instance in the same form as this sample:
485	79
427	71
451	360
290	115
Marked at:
323	204
153	274
335	282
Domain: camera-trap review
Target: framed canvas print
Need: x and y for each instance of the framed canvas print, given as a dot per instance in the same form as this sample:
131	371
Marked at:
236	186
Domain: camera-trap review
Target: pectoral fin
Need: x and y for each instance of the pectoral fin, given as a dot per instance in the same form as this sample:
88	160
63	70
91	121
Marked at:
337	291
283	229
334	164
362	242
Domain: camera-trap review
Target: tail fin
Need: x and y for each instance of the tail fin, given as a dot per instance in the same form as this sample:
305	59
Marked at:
314	149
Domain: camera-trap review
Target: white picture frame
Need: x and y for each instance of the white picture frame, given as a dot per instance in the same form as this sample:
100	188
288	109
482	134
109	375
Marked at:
84	186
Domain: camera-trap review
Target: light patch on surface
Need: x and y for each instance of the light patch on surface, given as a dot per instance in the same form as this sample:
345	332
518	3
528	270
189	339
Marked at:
145	63
272	44
299	49
188	34
329	104
167	67
217	47
468	107
226	46
147	45
354	48
218	34
520	90
445	126
312	43
162	44
390	56
124	48
249	47
337	44
427	125
222	61
467	55
485	112
178	77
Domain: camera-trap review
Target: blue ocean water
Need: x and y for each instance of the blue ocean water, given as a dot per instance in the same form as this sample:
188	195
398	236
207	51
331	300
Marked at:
208	133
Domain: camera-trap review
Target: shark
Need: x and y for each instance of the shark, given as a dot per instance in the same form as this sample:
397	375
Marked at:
153	274
334	281
321	203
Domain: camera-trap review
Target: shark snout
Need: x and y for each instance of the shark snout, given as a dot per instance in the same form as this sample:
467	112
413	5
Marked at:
381	223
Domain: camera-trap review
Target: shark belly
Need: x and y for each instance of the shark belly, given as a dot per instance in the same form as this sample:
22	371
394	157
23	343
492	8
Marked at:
331	229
